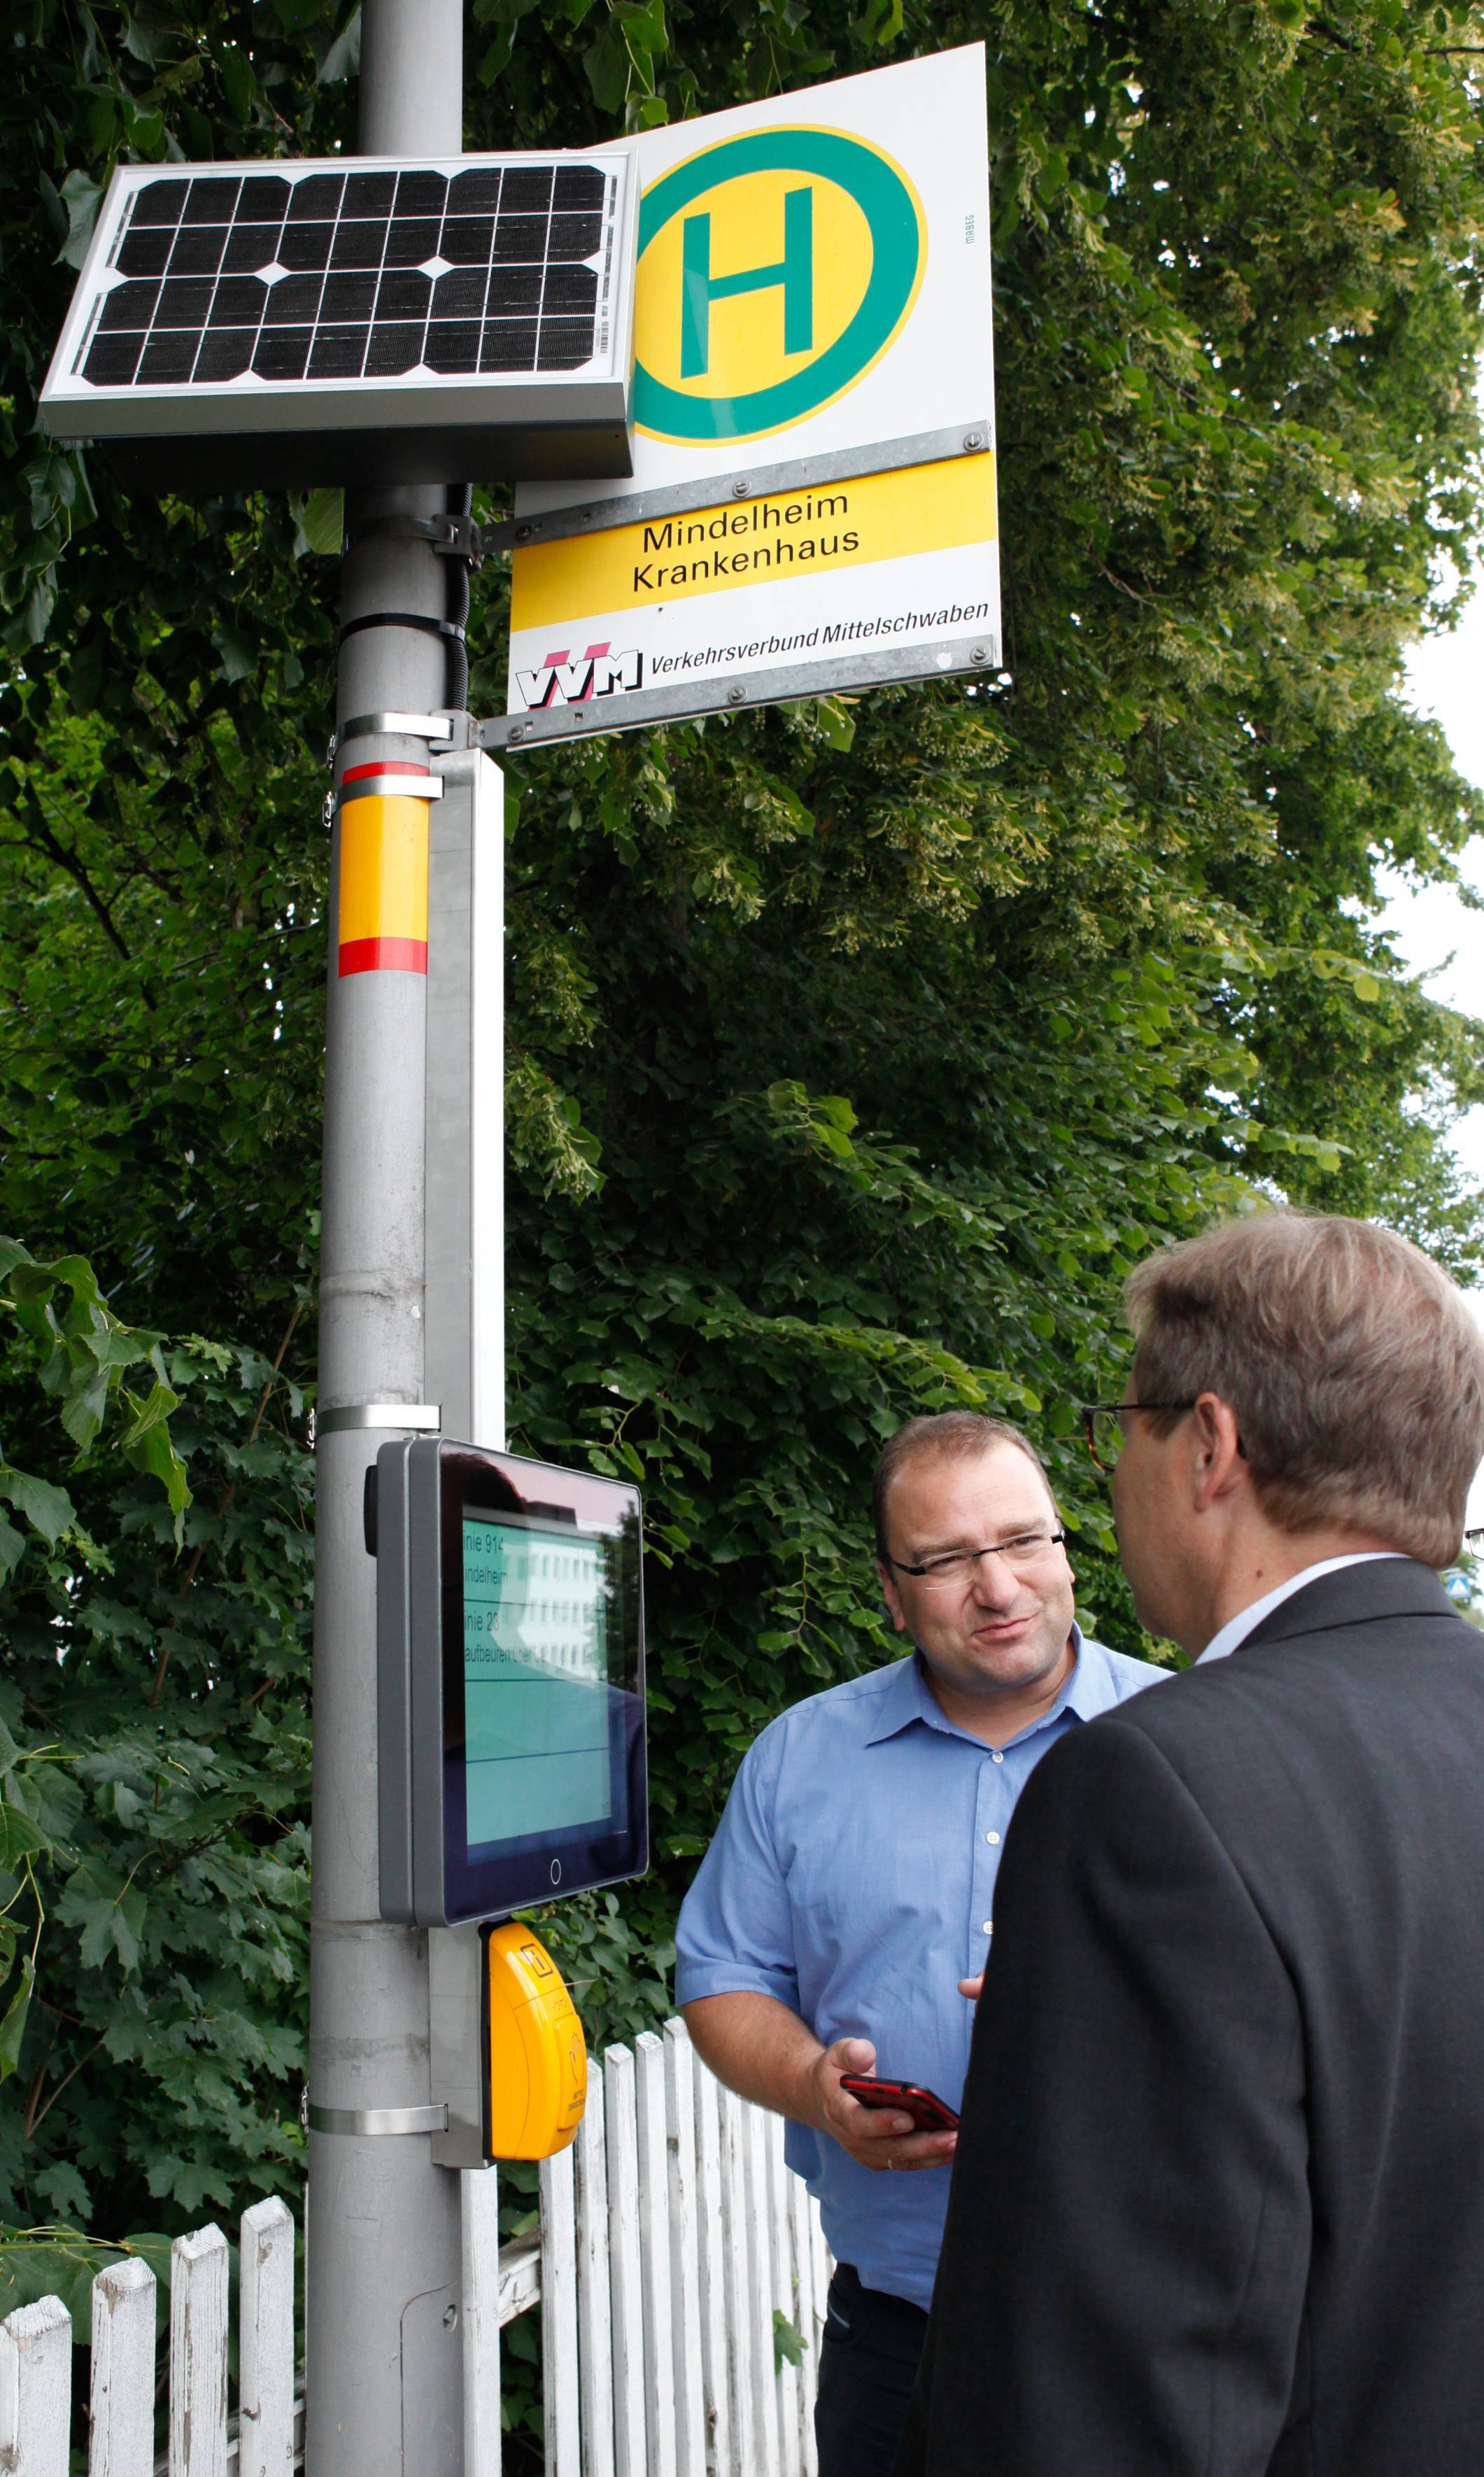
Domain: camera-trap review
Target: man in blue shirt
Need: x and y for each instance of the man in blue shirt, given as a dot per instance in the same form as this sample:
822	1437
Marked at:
841	1914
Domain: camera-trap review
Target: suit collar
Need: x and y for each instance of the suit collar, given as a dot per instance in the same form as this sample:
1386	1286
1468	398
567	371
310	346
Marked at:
1383	1587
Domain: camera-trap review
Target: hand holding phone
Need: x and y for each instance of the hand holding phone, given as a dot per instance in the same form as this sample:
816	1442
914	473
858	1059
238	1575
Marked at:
929	2113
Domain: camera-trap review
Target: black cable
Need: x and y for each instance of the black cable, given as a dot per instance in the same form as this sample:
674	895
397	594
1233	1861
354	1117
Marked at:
458	499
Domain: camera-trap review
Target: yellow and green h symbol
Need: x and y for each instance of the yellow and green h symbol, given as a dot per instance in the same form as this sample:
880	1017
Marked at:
795	271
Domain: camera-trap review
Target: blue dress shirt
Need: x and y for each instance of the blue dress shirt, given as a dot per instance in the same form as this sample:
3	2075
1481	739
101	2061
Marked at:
853	1877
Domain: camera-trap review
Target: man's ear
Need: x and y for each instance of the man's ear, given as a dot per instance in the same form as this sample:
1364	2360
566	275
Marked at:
895	1610
1219	1466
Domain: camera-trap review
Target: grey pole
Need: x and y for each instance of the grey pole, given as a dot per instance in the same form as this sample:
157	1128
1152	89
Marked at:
385	2393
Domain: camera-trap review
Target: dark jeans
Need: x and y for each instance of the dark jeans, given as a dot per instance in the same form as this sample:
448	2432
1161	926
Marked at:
868	2366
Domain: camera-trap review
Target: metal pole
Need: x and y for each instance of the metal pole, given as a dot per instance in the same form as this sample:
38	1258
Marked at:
385	2390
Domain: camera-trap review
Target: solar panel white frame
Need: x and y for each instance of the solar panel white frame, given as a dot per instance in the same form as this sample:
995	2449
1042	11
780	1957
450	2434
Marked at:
74	407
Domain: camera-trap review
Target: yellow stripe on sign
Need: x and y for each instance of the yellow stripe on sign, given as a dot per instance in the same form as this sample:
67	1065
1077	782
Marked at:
384	871
762	542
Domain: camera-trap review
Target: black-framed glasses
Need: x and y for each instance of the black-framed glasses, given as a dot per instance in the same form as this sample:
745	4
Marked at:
956	1569
1103	1422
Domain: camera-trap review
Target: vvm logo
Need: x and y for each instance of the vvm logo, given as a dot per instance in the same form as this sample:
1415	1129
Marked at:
775	270
599	673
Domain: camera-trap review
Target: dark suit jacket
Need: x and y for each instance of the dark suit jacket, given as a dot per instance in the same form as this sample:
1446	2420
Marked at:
1217	2208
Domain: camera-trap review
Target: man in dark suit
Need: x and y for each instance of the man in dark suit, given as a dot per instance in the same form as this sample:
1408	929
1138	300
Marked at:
1218	2205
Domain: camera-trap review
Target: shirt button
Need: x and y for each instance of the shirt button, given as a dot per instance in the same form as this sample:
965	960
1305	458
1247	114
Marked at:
999	1757
989	1926
992	1837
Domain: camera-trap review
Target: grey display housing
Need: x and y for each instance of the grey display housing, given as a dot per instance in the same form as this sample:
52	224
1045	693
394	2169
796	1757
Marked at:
427	1877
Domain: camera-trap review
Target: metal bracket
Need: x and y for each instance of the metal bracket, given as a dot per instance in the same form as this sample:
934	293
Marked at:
394	1418
372	2119
455	536
442	731
390	787
762	482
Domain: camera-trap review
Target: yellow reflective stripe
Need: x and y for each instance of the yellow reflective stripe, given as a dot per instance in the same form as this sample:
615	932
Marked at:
384	869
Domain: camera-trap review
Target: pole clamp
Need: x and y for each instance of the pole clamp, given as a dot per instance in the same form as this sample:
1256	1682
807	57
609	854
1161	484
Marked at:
364	2120
425	1417
449	629
454	537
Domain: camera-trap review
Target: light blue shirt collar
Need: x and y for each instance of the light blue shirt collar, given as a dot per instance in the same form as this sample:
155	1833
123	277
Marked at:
909	1697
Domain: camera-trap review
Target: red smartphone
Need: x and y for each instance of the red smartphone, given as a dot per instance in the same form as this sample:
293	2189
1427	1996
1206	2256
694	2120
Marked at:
928	2112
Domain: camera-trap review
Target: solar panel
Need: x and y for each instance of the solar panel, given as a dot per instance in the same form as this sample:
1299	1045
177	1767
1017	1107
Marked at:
298	314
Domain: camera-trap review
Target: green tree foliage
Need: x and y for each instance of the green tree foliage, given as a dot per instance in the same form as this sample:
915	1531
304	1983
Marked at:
856	1048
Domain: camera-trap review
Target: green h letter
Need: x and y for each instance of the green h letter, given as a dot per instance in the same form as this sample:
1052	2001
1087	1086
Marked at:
795	271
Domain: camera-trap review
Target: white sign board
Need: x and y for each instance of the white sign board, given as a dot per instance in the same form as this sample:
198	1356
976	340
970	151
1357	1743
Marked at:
812	504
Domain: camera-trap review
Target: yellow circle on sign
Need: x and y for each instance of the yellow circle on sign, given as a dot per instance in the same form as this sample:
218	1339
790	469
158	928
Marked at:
747	338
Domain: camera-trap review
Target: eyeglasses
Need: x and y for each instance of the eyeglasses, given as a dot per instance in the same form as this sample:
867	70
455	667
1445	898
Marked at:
958	1567
1104	1425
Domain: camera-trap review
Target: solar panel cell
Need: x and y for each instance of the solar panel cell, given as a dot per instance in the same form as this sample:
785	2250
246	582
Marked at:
280	352
358	244
513	288
212	202
251	246
112	360
264	199
507	344
369	194
403	294
199	249
145	251
570	291
517	236
185	304
465	239
477	193
160	203
318	196
453	345
420	194
526	189
348	297
393	349
566	344
294	301
239	301
575	236
131	306
410	245
306	245
168	358
225	353
338	352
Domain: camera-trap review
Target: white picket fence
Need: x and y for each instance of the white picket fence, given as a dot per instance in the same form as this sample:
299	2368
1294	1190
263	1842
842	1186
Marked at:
672	2239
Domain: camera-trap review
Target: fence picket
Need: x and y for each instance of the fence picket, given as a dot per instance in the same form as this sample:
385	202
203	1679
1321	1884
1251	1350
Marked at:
265	2342
198	2354
595	2310
811	2319
480	2245
121	2396
559	2317
783	2297
654	2254
715	2389
760	2290
747	2441
625	2276
679	2077
36	2389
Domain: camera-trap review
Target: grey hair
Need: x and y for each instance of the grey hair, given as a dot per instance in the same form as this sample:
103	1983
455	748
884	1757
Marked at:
1352	1361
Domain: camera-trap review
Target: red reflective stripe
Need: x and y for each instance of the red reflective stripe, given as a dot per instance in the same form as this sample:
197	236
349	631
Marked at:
385	766
383	954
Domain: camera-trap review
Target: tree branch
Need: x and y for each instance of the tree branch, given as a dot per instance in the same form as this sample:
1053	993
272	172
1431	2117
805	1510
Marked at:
227	1494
